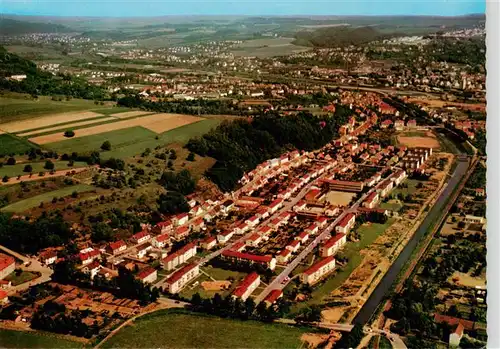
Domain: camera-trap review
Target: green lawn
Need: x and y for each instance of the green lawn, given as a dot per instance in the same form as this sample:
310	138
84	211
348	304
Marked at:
17	169
35	201
10	144
134	140
385	343
23	339
21	278
218	274
351	250
393	206
412	187
181	329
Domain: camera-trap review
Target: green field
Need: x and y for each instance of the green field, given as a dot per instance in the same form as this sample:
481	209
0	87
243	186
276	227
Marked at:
21	278
19	107
218	274
35	201
134	140
23	339
17	169
181	329
396	207
351	250
13	145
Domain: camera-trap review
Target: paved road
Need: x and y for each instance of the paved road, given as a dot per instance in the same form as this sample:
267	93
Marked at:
435	212
279	282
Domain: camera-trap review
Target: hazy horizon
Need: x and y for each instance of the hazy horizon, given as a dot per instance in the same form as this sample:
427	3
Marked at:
223	8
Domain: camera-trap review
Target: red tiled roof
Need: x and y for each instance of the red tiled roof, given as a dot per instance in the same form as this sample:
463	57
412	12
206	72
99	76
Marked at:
162	237
452	321
294	243
275	203
164	224
140	235
116	245
3	294
371	197
93	265
145	273
314	268
6	261
245	284
180	273
285	252
343	223
179	252
273	296
254	237
249	256
333	240
89	255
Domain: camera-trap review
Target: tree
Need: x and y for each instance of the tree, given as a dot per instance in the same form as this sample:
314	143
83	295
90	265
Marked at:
69	133
11	161
461	224
5	179
49	165
28	168
106	146
172	202
173	154
190	157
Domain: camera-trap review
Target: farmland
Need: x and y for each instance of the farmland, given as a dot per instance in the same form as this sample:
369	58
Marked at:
267	48
23	339
18	169
200	331
131	141
10	144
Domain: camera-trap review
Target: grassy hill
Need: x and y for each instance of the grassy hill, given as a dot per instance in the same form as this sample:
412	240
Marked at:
15	27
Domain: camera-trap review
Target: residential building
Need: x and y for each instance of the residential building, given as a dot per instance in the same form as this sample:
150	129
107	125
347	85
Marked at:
160	241
142	250
225	236
209	243
385	187
92	269
302	237
116	247
312	229
181	233
269	261
347	186
284	256
89	257
456	336
346	223
474	219
181	219
141	237
247	286
332	245
48	257
372	200
7	265
180	278
293	246
254	240
4	298
164	227
179	257
147	275
273	296
318	270
275	205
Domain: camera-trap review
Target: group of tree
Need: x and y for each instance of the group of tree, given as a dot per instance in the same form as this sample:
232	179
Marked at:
230	307
28	236
241	145
54	317
181	182
243	266
125	285
39	82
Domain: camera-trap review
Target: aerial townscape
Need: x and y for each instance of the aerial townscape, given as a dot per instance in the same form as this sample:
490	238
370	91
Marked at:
243	181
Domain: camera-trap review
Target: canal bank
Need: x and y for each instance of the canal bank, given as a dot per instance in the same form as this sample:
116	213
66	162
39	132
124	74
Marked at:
435	213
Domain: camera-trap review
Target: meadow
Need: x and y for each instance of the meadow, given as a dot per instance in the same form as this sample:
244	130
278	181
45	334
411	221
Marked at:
24	339
181	329
18	169
10	144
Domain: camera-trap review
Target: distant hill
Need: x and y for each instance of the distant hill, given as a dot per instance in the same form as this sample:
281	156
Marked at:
12	64
339	36
14	27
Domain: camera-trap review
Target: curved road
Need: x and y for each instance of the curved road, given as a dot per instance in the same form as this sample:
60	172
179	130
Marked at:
387	281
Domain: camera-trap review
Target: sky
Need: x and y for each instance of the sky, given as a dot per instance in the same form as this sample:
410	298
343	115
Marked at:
135	8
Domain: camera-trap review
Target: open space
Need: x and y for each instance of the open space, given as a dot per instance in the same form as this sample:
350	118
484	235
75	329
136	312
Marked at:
10	144
339	198
179	329
25	339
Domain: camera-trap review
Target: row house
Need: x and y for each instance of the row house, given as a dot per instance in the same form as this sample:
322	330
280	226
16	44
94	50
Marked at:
275	206
198	224
164	227
399	125
252	221
312	229
372	200
180	278
385	187
180	219
160	241
247	286
116	247
195	211
239	246
398	177
143	250
147	275
179	257
321	221
141	237
262	212
332	245
293	246
317	271
264	230
300	206
269	261
92	269
181	233
346	223
209	243
89	257
273	296
302	237
48	257
284	256
241	228
224	236
254	240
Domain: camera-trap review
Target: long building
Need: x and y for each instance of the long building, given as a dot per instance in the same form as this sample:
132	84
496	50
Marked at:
332	245
317	271
180	256
7	265
252	258
348	186
180	278
247	286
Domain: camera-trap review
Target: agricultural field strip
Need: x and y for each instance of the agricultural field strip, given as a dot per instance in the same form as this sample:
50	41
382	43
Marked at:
67	126
158	123
129	114
18	126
